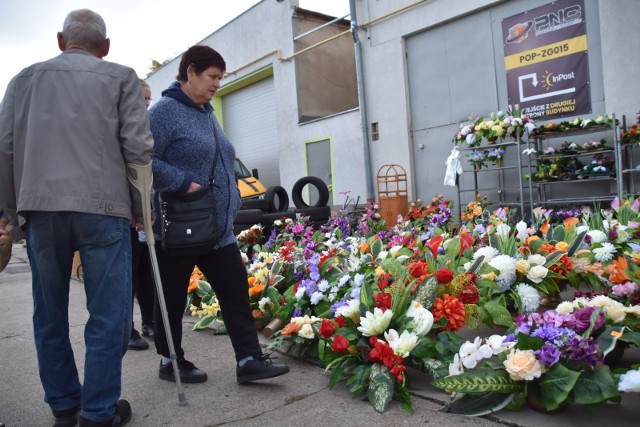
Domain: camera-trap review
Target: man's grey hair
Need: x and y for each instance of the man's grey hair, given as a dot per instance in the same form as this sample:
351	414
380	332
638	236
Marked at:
84	27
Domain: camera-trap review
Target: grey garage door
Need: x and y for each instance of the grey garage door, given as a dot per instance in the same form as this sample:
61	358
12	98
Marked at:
250	123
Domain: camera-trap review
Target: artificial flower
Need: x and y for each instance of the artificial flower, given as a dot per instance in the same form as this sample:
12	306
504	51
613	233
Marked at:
522	365
401	344
375	323
630	381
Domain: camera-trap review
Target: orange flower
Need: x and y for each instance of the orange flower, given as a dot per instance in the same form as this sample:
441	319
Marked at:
452	309
193	285
532	238
364	248
569	223
616	270
251	280
257	314
256	289
545	227
291	328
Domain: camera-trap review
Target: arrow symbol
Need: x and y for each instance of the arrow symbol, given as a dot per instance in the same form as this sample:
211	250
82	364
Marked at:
534	81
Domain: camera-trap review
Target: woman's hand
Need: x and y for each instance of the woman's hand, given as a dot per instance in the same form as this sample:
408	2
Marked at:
193	187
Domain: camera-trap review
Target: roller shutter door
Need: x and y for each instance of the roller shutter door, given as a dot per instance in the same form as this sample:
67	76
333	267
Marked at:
250	123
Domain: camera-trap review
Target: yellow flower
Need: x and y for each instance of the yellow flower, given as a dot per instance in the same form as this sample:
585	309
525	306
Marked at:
489	276
523	266
562	246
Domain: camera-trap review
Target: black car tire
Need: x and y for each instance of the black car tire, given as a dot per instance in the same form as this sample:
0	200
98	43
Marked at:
323	192
279	194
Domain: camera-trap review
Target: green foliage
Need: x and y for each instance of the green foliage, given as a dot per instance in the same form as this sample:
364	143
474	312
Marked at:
553	387
380	390
478	405
481	380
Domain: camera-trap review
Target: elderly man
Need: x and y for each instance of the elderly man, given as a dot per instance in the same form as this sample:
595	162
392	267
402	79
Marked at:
68	128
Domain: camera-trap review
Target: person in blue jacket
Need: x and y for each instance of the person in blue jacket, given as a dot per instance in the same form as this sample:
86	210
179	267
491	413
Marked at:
186	134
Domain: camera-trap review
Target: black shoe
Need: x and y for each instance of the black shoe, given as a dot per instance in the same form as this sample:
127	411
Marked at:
122	417
148	331
260	368
66	418
136	342
188	372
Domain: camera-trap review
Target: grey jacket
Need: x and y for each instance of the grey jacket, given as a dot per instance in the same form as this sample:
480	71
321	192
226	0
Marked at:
68	126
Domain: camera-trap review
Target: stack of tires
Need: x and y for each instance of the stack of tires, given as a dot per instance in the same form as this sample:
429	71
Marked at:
275	205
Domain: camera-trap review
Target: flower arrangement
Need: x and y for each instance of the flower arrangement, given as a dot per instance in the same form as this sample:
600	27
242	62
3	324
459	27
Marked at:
631	135
435	215
518	123
495	155
492	128
601	165
478	158
475	208
466	134
549	358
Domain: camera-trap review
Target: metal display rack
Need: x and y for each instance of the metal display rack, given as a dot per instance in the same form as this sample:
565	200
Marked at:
566	191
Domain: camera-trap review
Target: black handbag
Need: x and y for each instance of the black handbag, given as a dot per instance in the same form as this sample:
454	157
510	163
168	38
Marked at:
189	220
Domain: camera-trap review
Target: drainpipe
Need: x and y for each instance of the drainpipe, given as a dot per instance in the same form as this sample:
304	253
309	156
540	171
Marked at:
362	101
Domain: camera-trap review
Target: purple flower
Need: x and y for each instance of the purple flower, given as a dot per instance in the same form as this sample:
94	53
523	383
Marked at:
296	312
583	319
552	334
548	355
583	349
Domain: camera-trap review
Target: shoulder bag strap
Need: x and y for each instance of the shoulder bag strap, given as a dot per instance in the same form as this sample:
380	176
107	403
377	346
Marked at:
215	143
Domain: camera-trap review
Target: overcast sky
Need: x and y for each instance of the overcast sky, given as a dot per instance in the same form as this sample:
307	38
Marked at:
140	30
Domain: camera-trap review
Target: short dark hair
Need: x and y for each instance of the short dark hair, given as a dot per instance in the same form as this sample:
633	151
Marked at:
201	57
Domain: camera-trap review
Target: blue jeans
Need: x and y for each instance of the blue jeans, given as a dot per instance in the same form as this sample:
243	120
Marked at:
105	250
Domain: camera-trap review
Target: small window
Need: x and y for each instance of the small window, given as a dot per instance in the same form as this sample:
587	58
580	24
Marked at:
375	135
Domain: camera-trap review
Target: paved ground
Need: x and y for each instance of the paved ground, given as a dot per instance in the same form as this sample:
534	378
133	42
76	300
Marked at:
300	398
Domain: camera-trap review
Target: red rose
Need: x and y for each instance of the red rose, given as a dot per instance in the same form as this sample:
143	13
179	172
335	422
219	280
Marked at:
327	329
444	276
340	344
418	268
382	301
469	295
341	321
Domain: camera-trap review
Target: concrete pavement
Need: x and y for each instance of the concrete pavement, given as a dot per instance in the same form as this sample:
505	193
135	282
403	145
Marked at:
299	398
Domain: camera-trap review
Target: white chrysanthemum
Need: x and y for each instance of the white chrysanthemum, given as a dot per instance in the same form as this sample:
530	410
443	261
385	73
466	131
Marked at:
306	332
375	323
402	344
422	318
350	311
487	251
604	253
529	296
597	236
565	307
507	267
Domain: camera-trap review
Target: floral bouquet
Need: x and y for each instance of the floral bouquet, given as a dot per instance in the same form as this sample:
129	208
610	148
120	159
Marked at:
549	360
478	158
518	123
495	155
436	214
474	209
202	301
492	128
375	329
601	165
631	135
466	135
